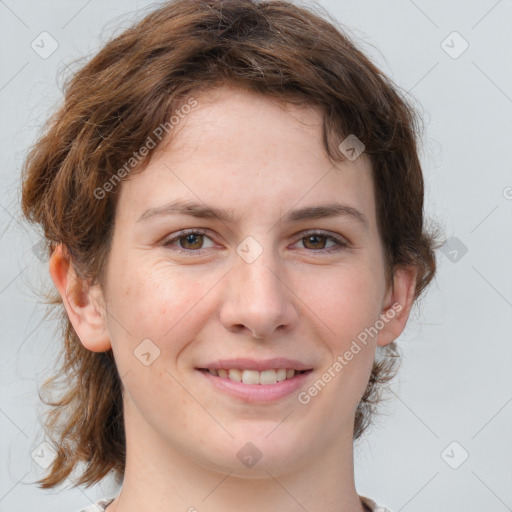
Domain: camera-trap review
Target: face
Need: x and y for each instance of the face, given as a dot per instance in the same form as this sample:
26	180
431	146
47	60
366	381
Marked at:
242	247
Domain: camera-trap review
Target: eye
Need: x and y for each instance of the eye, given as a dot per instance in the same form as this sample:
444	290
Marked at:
317	241
189	241
192	241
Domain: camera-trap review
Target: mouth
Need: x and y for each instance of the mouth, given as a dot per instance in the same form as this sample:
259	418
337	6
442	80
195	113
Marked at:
255	377
256	386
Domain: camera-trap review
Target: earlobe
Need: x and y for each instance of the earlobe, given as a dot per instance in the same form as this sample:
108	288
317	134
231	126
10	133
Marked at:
398	305
84	304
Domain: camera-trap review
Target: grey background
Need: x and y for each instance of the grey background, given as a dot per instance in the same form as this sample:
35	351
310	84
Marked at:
455	380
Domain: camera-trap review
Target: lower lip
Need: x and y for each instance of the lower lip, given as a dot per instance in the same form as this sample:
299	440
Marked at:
257	392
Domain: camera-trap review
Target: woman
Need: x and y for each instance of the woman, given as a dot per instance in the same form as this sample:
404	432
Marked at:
233	204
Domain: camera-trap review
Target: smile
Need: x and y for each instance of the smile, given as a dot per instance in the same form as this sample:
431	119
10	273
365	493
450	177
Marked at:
265	377
256	386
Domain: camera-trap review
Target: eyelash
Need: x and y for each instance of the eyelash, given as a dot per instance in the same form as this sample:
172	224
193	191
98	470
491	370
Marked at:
341	244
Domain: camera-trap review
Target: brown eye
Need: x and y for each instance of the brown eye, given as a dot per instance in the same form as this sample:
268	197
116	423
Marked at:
322	242
191	241
315	241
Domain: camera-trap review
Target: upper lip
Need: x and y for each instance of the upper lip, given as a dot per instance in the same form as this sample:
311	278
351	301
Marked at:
253	364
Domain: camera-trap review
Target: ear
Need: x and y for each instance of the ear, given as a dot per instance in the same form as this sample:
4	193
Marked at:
84	304
397	305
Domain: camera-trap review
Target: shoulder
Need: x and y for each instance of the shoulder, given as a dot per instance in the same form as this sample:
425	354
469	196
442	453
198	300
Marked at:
372	506
99	506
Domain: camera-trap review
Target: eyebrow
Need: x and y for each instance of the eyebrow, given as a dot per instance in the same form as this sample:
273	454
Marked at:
203	211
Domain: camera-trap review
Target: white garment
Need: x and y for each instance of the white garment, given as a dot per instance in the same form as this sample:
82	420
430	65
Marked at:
372	505
101	505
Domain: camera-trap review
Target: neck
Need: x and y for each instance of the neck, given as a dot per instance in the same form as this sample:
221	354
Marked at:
161	477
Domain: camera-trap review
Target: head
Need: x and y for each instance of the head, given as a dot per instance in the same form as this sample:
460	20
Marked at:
247	107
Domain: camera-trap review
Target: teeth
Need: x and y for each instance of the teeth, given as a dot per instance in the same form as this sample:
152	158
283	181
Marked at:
254	376
281	374
268	377
235	375
249	376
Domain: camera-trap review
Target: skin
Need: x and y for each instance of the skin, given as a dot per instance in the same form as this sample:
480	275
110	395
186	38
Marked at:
295	300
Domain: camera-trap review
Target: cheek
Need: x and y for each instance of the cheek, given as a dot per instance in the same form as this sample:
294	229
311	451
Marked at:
346	300
345	304
162	305
152	300
150	304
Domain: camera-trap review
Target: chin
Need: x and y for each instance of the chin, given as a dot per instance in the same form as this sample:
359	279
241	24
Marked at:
254	455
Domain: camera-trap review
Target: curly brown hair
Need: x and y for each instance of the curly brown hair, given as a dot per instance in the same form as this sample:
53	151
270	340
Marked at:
134	84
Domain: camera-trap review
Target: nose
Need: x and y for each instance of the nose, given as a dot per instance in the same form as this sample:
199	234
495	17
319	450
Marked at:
258	299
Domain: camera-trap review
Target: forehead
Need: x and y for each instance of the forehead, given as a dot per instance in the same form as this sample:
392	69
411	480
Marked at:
239	122
244	150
